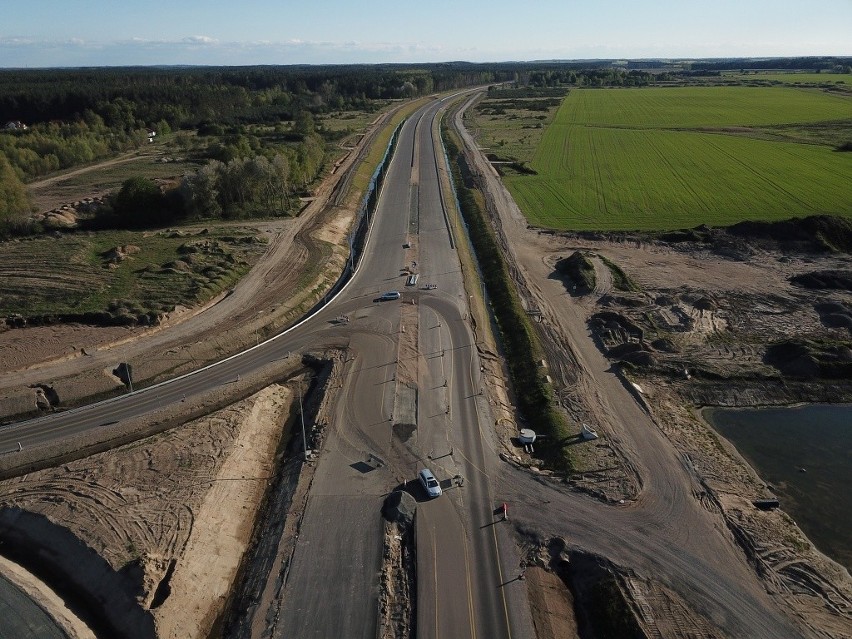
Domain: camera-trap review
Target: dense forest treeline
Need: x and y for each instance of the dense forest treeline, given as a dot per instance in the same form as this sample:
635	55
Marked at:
130	98
185	97
62	118
259	128
814	63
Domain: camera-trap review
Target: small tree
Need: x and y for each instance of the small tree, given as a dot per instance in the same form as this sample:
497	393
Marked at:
201	191
139	204
14	201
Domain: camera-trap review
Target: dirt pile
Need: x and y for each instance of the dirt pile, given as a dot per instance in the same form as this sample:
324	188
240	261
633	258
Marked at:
399	508
578	273
575	594
118	254
833	279
821	234
398	585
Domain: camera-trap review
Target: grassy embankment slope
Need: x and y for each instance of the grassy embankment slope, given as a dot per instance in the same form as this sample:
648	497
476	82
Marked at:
663	158
83	276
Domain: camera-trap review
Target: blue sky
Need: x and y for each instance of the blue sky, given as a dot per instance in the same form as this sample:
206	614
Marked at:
44	33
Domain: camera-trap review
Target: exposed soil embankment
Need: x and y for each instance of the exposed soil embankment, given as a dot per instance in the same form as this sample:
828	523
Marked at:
254	605
577	595
773	328
104	598
397	598
149	516
750	316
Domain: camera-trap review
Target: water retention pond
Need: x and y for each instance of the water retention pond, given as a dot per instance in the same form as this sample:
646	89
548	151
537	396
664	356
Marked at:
805	454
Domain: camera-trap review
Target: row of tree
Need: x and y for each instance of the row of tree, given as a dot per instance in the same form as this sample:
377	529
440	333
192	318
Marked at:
818	64
242	187
52	146
610	77
14	201
131	98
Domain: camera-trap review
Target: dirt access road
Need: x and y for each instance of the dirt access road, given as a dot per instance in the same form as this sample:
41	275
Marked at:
305	255
105	501
668	570
671	534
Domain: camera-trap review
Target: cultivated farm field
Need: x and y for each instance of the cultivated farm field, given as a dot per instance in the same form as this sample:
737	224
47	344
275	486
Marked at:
792	77
663	158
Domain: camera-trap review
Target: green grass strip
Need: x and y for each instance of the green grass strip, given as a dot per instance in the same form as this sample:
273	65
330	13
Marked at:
520	342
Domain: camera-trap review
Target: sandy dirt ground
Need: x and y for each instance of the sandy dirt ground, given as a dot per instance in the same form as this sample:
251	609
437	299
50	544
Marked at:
155	508
155	503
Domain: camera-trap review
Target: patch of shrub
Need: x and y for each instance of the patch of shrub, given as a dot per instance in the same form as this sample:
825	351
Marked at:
620	280
579	271
520	343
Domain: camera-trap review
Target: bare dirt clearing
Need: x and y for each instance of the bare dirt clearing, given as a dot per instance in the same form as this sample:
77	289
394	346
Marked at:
153	509
304	256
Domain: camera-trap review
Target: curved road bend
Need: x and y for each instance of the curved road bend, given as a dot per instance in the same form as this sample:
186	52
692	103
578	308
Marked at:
334	577
666	534
332	585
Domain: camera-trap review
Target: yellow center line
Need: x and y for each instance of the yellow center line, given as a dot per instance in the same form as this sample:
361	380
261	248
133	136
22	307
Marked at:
468	460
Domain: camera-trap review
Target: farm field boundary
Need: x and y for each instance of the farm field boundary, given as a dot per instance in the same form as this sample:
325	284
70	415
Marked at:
664	158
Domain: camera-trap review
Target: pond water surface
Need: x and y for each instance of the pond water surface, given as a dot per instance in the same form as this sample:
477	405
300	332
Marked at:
805	454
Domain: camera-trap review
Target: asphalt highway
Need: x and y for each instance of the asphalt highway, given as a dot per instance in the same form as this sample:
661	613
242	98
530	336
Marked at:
332	584
22	617
333	580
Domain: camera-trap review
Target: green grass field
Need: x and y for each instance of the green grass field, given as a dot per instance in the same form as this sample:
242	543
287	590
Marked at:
664	158
792	77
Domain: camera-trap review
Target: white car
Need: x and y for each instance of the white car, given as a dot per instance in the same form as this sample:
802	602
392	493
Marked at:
433	488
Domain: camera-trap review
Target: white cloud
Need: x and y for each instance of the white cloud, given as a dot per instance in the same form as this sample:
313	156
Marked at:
200	39
23	51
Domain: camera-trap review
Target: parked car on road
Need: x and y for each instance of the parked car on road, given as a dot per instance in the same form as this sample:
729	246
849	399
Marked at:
433	488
